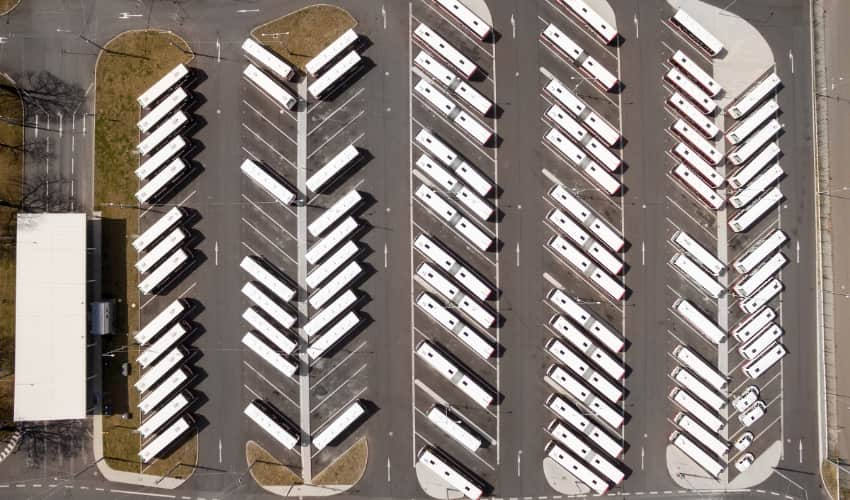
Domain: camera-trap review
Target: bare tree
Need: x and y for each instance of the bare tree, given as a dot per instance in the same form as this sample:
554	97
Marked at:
53	440
42	91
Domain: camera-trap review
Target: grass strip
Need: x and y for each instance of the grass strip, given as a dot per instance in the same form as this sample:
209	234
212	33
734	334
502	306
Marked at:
266	469
348	468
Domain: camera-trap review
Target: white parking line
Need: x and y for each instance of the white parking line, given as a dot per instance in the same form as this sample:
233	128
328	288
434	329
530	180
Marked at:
329	139
584	176
453	230
490	54
341	362
261	115
581	28
269	217
452	126
272	148
271	384
340	386
691	217
334	414
483	225
337	109
268	240
431	339
439	399
183	294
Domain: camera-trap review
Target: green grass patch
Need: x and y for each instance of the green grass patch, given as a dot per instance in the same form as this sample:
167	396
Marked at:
129	64
266	469
299	36
11	171
348	468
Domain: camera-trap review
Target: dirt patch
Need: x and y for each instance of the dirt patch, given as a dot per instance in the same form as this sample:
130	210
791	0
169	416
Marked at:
348	468
266	469
299	36
128	65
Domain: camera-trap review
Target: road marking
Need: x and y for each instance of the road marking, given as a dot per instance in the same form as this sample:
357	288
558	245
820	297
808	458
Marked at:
513	26
187	290
131	492
643	253
218	50
791	57
801	451
637	26
389	466
335	111
246	11
517	254
219	451
343	384
641	457
385	255
342	362
215	250
270	383
798	251
518	462
261	115
384	15
333	136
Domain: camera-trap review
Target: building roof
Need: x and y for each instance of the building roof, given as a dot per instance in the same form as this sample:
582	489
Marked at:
50	317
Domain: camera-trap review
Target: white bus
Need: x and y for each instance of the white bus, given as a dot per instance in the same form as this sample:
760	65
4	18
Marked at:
163	224
758	345
698	252
599	330
451	186
589	245
467	18
560	117
709	196
268	86
271	356
560	352
699	321
752	122
450	215
270	183
580	448
471	338
163	390
444	50
154	374
331	240
591	19
473	128
753	324
748	216
336	285
696	33
565	410
319	321
455	478
165	439
759	251
564	327
699	75
609	414
454	83
576	468
267	59
271	422
747	284
746	173
769	177
571	151
764	295
162	182
333	77
695	274
163	272
165	342
757	141
454	427
168	128
315	65
332	168
339	425
702	146
599	74
167	316
158	159
436	360
269	331
161	250
561	42
166	83
771	356
696	409
703	436
163	416
438	149
581	111
473	309
334	213
692	90
585	215
324	271
464	275
267	305
696	386
697	454
703	370
754	96
268	279
436	98
333	336
162	110
703	123
577	259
